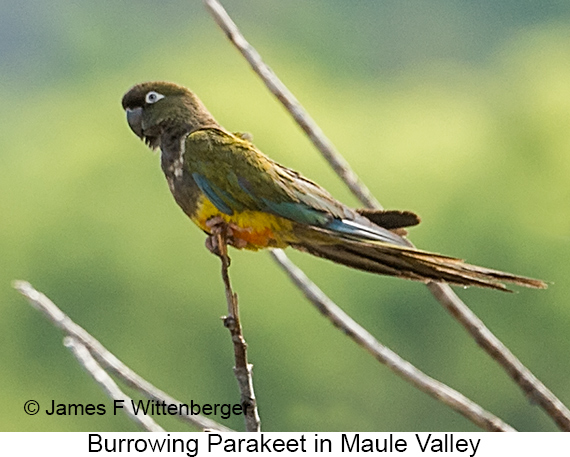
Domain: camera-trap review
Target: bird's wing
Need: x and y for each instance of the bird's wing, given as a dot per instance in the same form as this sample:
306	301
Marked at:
235	176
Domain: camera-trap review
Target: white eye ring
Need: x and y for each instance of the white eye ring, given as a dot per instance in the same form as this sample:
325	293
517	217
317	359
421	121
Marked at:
153	97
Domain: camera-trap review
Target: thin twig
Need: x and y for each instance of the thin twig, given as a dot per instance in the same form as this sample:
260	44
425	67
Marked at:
443	293
242	369
106	358
530	385
292	105
100	376
384	355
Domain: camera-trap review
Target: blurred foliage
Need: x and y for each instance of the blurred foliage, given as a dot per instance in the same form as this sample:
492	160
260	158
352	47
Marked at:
456	110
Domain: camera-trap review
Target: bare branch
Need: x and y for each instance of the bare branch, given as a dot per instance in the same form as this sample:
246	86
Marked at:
530	385
274	84
86	360
384	355
443	293
242	369
106	358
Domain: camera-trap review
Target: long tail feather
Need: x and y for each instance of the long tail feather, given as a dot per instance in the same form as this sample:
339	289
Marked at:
409	263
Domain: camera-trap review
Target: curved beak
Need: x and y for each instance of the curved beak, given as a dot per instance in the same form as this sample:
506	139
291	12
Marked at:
134	118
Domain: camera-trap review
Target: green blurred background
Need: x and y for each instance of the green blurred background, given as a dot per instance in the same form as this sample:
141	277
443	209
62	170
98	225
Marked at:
455	109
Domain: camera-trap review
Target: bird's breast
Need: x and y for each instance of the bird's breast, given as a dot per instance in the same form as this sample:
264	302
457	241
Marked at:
258	229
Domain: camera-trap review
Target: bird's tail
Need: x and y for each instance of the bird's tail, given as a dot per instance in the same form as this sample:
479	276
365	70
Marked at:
409	263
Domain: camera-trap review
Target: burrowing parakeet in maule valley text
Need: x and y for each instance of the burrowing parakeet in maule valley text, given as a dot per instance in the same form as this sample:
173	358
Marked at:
220	179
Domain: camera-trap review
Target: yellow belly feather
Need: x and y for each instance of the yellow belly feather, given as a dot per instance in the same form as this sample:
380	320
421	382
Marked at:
259	230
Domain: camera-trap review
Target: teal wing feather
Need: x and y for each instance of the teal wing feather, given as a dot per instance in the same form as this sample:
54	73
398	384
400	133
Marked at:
219	197
235	176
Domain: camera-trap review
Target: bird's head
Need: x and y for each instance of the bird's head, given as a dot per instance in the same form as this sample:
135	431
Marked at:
154	108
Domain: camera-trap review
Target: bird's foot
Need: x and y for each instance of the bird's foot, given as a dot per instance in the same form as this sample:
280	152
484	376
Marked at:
212	245
219	227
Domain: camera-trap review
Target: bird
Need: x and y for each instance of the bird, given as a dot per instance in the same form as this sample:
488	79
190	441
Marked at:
220	179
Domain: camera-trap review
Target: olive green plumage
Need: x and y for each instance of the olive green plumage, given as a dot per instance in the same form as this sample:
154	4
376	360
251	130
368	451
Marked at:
218	175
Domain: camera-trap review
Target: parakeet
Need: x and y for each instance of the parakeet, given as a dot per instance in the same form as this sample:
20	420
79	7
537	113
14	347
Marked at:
217	176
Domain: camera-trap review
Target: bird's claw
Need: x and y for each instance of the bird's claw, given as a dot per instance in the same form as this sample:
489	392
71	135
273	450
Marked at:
219	226
216	225
212	245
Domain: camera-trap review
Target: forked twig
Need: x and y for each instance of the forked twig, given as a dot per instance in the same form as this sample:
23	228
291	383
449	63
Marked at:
106	358
521	375
242	369
87	361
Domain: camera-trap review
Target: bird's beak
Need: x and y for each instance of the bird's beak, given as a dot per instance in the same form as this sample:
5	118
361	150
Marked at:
134	118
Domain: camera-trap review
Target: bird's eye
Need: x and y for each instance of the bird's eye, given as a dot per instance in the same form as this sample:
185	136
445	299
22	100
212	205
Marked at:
153	97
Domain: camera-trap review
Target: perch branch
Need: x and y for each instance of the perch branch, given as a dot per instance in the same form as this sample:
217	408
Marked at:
384	355
242	369
106	358
521	375
100	376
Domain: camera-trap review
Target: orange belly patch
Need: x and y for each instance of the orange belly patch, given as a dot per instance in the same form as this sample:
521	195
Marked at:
259	230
